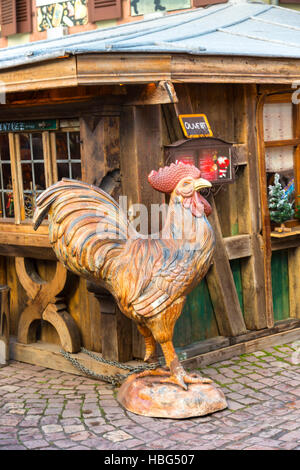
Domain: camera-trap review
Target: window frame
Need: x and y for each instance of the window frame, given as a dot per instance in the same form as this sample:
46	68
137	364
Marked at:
50	166
283	97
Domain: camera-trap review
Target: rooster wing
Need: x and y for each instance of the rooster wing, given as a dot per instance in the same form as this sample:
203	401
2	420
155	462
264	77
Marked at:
175	271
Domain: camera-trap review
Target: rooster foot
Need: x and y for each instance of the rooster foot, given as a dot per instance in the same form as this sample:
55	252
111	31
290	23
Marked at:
149	372
182	379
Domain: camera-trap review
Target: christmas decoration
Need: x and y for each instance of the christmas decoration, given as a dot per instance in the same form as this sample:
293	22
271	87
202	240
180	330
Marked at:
223	164
280	208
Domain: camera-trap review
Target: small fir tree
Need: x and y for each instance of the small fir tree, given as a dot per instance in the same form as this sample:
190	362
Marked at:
297	211
280	207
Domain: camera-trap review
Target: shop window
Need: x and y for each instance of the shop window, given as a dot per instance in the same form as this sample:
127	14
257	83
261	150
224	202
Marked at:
33	169
281	129
6	202
68	155
32	160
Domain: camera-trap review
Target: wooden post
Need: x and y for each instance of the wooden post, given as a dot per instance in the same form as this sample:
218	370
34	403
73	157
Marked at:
100	155
294	281
249	216
115	327
141	152
100	149
294	254
266	226
17	178
4	324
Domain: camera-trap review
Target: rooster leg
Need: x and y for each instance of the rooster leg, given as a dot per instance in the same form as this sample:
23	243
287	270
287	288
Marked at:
178	375
150	354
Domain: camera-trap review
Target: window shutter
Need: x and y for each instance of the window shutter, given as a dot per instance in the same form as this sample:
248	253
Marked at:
204	3
104	10
8	17
24	21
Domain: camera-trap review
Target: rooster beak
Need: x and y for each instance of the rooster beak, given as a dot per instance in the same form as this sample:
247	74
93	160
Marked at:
201	183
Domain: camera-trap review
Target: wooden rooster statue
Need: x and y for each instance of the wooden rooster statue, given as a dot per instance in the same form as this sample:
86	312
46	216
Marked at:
149	277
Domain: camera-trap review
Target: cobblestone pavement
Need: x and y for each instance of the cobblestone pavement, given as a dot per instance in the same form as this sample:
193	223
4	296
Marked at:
46	409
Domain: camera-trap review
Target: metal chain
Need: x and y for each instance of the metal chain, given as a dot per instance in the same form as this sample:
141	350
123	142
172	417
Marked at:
113	379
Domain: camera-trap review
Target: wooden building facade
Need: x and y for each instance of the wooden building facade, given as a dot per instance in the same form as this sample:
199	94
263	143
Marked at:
106	119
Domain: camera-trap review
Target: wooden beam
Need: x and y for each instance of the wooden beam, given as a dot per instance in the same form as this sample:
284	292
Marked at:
282	143
123	68
218	342
36	252
248	207
152	93
23	239
141	152
221	285
99	155
140	134
233	69
285	243
226	353
238	246
66	110
240	154
94	69
17	177
49	355
49	169
50	74
100	147
35	245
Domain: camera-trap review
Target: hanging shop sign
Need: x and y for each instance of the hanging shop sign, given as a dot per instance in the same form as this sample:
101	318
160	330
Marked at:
195	125
23	126
211	155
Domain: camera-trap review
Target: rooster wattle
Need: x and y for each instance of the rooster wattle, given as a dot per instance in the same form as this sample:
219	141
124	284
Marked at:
149	277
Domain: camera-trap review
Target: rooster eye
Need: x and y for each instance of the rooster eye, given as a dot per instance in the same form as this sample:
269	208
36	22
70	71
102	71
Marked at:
186	183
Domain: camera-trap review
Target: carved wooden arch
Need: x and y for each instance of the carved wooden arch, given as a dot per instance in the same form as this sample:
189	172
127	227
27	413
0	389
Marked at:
43	304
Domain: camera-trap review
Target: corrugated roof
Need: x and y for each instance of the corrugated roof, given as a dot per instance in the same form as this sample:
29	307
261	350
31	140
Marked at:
248	29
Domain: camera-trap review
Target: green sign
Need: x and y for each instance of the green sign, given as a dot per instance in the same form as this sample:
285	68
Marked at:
24	126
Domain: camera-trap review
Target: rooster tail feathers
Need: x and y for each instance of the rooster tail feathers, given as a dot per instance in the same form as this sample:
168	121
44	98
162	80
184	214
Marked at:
86	225
56	192
42	209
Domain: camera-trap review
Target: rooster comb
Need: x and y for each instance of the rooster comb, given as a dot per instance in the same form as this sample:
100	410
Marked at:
166	179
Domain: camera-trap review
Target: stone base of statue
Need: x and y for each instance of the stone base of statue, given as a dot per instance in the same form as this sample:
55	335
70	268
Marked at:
147	396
